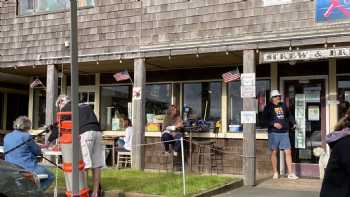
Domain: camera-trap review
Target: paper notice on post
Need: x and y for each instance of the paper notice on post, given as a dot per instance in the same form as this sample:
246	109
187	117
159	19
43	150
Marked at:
248	91
248	79
137	93
248	117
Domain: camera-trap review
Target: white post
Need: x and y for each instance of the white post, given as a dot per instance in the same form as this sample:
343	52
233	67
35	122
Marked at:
183	166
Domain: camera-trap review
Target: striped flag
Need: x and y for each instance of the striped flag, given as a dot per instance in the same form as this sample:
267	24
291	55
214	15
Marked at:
122	76
36	83
231	76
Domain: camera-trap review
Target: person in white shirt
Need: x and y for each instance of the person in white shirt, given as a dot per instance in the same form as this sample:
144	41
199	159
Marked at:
125	144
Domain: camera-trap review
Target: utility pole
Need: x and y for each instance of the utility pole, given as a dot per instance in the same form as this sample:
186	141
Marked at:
75	96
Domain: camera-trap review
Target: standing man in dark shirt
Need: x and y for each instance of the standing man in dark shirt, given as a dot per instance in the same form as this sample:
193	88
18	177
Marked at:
278	119
90	139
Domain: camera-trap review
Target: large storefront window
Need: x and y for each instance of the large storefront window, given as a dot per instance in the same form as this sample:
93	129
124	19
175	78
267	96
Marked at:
30	7
343	97
236	103
115	105
158	99
203	101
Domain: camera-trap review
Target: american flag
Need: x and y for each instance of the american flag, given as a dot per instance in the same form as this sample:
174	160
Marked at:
121	76
231	76
36	83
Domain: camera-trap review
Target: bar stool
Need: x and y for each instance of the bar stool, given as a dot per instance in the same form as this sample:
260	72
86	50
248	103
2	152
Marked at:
124	159
166	158
205	155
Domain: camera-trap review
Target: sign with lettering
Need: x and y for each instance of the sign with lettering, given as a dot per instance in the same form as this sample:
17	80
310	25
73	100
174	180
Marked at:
248	117
248	91
313	54
275	2
331	10
300	115
248	79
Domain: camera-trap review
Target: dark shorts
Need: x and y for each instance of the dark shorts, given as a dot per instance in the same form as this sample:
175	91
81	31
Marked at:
279	141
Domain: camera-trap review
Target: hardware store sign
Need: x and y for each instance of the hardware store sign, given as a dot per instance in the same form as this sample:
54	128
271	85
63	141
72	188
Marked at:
314	54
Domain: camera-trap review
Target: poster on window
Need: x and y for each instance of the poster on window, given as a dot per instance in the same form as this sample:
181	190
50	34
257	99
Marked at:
313	113
276	2
347	96
300	110
332	10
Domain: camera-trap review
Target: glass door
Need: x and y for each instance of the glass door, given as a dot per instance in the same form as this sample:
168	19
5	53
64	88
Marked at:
306	101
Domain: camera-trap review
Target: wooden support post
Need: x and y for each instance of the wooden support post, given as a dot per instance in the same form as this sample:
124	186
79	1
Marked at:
97	95
224	108
138	114
4	113
333	108
31	104
64	84
249	133
51	93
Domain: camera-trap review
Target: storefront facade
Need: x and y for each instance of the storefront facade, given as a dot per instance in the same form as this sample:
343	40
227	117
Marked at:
176	52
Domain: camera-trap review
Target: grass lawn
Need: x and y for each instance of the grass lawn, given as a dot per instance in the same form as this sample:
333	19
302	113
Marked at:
166	184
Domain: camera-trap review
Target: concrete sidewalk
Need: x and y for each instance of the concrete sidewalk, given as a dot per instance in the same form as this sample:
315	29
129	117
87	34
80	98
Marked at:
279	188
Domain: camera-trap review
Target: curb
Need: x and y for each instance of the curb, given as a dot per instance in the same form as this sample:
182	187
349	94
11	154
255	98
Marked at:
215	191
221	189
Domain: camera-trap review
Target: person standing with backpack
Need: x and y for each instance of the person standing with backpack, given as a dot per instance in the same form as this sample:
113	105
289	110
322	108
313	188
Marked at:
279	120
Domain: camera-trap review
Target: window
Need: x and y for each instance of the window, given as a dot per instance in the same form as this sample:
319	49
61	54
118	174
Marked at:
29	7
236	103
158	99
39	108
203	101
343	97
115	105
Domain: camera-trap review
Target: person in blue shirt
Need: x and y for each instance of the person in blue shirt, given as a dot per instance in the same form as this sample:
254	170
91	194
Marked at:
23	151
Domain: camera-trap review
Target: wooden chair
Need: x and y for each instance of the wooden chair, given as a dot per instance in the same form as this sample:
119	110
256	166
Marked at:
124	159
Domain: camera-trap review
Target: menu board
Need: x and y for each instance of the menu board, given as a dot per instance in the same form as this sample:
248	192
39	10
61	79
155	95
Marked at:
300	106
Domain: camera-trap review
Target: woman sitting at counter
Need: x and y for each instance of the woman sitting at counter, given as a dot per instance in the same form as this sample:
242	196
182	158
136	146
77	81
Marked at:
171	130
125	144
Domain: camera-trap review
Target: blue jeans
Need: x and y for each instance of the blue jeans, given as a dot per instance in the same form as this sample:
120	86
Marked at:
279	141
44	183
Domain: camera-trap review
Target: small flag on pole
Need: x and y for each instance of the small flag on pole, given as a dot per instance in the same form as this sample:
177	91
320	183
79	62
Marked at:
36	83
122	76
231	76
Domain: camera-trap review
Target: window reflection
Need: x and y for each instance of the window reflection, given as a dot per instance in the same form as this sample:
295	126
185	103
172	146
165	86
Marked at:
203	101
236	103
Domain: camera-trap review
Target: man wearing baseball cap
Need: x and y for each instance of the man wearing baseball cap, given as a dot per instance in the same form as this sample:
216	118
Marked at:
279	120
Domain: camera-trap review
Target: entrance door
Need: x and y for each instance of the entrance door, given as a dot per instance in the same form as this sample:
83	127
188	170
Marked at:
305	98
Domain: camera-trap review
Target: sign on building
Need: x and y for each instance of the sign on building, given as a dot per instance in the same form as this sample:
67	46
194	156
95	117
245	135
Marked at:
276	2
331	10
248	117
312	54
248	89
300	115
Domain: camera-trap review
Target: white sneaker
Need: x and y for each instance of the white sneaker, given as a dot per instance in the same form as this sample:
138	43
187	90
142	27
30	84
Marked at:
292	176
275	176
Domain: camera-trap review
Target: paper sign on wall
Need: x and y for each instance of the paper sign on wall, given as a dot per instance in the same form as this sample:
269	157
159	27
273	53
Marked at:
248	117
136	93
300	114
248	91
248	79
313	113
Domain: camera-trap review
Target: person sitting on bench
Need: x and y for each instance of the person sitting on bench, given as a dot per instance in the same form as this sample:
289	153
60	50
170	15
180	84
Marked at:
20	149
